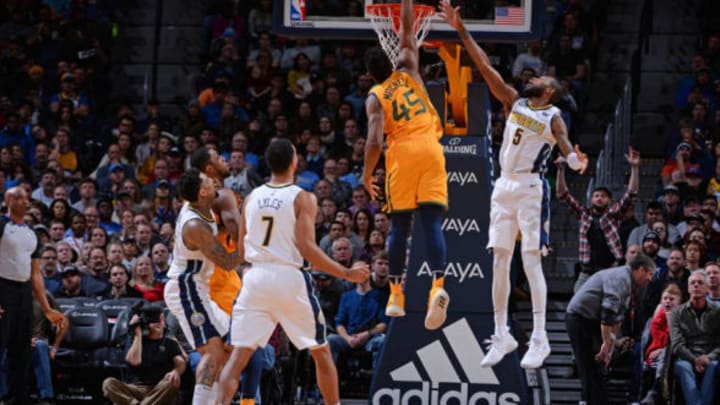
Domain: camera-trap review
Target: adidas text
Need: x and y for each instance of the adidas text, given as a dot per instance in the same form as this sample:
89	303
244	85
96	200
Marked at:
462	178
460	225
460	271
427	396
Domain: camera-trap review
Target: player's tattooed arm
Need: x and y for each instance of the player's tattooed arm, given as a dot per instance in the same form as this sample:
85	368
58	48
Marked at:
198	235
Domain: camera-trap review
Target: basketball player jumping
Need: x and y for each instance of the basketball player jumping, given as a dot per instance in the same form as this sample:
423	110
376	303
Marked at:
278	230
225	284
414	162
195	254
520	200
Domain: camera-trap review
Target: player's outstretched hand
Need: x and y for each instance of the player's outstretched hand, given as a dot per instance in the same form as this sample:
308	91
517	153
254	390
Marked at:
372	188
633	157
582	158
358	273
449	14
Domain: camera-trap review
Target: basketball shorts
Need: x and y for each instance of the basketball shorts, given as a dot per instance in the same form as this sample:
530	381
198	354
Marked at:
520	203
273	294
200	318
415	175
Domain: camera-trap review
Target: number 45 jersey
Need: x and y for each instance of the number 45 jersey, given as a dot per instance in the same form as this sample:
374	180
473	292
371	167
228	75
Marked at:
270	224
528	139
414	160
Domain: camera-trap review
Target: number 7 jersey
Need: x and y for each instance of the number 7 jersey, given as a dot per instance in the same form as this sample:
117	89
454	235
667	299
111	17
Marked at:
409	114
528	139
270	225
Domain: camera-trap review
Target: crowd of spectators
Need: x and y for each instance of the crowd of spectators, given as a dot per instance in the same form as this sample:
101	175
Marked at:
101	173
669	335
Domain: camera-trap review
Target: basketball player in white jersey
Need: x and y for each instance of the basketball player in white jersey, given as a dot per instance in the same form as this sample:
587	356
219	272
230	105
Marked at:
278	230
520	199
187	296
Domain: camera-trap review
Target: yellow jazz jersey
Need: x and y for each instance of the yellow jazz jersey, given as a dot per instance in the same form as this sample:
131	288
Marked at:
414	160
409	114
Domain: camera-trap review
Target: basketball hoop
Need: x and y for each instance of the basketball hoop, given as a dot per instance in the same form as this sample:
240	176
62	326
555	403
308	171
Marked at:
385	19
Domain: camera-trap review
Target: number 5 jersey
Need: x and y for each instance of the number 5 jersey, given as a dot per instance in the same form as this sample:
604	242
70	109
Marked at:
528	139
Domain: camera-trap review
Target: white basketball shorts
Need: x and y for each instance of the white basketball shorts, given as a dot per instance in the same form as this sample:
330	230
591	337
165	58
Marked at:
520	203
273	294
200	318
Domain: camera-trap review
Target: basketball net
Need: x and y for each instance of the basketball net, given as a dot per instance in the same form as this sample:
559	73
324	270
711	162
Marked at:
385	19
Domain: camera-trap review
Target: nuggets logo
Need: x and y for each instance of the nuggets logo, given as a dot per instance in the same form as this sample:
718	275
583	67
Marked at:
197	319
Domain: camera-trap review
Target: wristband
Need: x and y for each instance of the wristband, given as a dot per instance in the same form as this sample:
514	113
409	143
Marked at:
573	161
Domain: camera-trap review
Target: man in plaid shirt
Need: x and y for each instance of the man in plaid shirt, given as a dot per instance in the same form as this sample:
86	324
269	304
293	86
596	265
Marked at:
600	246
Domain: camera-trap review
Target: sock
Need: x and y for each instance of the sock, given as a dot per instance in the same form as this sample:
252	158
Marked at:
532	261
201	395
214	392
396	287
247	401
439	281
501	288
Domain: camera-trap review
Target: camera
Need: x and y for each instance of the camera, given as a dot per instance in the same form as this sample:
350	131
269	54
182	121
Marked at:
147	313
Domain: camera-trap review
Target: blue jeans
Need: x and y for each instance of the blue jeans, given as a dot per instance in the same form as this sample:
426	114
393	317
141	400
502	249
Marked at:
685	373
339	345
40	362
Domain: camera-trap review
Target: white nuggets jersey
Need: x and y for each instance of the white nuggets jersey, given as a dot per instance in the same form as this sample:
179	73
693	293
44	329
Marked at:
184	259
270	223
528	139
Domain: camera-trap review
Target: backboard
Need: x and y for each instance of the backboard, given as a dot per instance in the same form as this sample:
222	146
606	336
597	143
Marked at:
492	20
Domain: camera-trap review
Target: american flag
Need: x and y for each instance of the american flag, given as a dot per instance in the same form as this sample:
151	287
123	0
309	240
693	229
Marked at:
509	15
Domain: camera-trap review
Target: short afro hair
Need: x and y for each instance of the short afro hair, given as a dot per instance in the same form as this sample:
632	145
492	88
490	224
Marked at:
189	185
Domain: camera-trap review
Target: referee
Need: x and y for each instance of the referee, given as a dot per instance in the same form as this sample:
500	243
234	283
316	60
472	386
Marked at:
20	277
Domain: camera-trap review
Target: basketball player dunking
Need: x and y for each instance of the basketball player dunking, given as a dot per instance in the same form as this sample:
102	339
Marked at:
277	228
520	199
225	284
414	162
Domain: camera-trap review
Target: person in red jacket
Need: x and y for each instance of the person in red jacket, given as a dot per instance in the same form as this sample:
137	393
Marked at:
660	337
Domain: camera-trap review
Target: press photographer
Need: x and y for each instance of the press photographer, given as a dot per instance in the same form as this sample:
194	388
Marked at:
156	362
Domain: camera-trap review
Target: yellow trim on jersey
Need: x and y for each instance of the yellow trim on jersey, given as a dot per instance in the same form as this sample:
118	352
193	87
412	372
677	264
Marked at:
542	107
203	216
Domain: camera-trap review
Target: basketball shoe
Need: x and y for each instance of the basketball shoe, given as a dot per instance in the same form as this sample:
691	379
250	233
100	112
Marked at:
396	301
437	305
500	345
537	352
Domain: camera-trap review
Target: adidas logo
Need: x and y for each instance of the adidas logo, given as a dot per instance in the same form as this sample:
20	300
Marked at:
437	363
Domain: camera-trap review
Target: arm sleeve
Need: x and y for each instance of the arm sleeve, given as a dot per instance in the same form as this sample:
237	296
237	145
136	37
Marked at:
573	203
610	307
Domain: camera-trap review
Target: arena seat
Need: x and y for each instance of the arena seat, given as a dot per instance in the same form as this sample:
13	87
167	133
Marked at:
66	304
79	361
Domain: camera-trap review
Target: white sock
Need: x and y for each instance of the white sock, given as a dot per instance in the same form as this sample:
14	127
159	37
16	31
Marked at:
214	392
501	289
202	395
532	260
